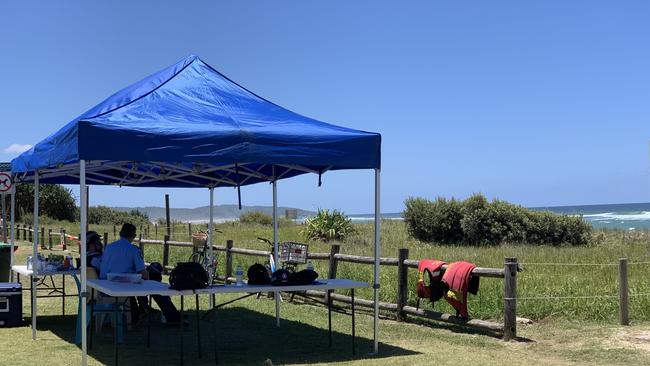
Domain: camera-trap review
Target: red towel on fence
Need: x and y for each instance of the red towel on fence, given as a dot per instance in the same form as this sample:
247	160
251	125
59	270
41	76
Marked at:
457	277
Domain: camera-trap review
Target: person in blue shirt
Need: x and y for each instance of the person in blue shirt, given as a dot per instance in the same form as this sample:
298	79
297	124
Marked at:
123	257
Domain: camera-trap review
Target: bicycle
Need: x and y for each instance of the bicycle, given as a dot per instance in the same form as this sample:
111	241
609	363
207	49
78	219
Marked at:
291	255
202	256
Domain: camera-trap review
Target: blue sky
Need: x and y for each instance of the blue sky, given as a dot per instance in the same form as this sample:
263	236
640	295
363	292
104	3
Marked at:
538	103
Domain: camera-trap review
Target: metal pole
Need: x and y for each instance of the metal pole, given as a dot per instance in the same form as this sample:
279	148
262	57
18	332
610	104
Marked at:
4	217
211	240
275	245
377	254
82	249
13	231
35	257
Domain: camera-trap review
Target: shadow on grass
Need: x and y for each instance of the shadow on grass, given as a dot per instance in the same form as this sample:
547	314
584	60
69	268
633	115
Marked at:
452	327
244	337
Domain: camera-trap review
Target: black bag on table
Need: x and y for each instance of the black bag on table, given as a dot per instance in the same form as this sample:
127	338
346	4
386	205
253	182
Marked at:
188	276
304	277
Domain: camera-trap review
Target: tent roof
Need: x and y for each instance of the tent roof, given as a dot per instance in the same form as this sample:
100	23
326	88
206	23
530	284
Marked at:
187	126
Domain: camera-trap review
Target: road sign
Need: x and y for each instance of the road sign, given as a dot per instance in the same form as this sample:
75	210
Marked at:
5	182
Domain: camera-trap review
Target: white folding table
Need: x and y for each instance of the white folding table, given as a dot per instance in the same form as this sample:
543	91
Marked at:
34	282
147	288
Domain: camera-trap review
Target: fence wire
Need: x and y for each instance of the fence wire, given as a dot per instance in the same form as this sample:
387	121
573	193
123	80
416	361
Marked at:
573	297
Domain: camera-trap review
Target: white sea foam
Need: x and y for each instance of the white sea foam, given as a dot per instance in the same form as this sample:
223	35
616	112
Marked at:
617	216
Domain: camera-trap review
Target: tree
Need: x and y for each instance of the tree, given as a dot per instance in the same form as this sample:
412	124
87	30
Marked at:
55	201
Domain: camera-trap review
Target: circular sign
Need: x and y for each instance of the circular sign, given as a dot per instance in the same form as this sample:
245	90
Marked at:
5	182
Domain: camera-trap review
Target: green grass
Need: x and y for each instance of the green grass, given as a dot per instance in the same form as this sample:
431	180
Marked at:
535	280
247	335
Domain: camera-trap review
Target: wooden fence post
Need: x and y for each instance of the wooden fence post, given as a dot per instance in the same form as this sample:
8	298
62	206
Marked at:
165	253
105	239
141	245
49	239
114	232
17	231
64	240
229	245
31	234
510	299
167	220
402	283
189	231
333	266
624	311
155	231
41	238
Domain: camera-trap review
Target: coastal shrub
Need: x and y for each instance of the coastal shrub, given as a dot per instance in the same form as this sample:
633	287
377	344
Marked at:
102	215
434	221
256	217
328	225
478	221
54	201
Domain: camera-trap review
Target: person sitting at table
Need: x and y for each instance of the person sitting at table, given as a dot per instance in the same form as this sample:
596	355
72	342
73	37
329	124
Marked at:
93	250
123	257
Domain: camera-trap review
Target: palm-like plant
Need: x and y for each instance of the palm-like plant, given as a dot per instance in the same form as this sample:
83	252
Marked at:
328	225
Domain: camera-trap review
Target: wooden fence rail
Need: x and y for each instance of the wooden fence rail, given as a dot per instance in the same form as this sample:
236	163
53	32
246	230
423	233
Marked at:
508	328
402	264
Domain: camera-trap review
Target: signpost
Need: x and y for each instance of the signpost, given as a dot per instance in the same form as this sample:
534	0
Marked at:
6	187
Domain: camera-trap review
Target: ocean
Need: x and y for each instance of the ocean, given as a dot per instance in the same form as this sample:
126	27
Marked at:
621	216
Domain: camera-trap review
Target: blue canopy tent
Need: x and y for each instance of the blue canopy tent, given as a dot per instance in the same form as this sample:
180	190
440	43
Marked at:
190	126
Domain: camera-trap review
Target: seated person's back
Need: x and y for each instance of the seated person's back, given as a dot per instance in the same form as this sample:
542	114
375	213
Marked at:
121	257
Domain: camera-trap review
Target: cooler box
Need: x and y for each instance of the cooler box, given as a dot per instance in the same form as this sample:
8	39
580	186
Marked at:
11	304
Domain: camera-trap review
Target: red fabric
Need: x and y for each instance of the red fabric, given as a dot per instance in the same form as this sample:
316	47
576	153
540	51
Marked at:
431	265
457	278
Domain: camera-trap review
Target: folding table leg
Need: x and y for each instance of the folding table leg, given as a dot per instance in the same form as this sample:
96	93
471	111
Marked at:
149	324
92	321
329	315
181	326
354	350
31	295
198	325
115	311
214	329
63	297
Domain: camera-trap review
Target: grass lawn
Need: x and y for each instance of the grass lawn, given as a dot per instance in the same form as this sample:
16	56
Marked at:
247	336
536	280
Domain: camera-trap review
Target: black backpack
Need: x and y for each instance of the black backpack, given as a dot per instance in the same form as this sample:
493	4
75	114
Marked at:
188	276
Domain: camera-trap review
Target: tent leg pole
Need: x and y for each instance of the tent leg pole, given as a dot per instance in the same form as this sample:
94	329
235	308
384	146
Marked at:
377	255
34	277
211	241
275	245
82	248
13	232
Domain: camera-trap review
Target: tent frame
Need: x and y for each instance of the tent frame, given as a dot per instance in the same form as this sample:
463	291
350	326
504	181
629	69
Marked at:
89	172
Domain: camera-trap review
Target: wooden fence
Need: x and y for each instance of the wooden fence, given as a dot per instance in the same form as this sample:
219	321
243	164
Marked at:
508	274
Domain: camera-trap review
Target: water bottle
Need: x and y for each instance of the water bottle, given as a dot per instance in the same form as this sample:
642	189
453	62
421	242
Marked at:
239	273
310	266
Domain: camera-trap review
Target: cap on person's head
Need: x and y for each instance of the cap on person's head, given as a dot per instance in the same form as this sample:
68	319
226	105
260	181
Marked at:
127	231
93	238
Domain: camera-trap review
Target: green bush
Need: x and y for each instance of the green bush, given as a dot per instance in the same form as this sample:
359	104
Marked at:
328	226
102	215
54	201
478	221
256	217
434	221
